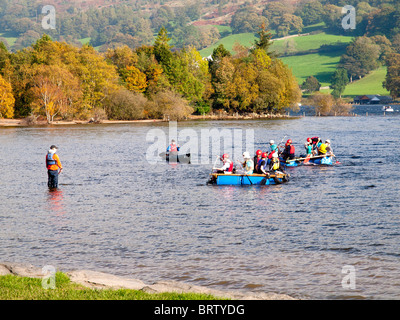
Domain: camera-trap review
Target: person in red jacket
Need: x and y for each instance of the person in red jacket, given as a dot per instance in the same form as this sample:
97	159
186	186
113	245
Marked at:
227	165
289	152
54	167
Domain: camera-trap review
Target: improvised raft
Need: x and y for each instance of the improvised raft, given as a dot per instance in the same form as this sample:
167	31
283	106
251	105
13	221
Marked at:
270	178
222	179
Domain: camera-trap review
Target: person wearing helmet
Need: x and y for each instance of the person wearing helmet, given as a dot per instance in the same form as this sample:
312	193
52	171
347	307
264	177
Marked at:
264	163
329	149
257	161
275	163
316	141
248	164
308	146
274	150
322	149
289	151
54	167
272	145
227	166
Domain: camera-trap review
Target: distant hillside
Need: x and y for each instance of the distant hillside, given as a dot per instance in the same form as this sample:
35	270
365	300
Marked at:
316	54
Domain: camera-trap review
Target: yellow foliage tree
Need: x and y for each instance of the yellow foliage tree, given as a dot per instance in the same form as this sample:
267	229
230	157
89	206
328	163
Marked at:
134	79
55	91
6	99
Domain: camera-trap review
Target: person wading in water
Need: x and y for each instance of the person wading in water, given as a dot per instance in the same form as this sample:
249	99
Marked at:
54	167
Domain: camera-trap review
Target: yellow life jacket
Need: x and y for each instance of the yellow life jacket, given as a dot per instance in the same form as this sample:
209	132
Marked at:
275	165
322	148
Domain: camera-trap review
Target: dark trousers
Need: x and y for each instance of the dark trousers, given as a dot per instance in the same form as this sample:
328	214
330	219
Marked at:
53	178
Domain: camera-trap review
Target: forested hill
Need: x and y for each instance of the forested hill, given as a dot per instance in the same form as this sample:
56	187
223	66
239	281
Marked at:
110	23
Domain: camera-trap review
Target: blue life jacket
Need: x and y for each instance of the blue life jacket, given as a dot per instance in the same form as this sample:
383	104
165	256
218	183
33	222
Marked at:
49	159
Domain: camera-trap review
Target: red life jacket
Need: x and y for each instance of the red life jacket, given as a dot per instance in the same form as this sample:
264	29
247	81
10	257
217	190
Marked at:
230	167
173	148
291	150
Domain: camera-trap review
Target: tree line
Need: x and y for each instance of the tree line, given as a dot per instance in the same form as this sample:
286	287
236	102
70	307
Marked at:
61	81
136	23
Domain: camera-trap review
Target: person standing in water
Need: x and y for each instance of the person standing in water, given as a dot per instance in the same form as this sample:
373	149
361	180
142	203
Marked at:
54	167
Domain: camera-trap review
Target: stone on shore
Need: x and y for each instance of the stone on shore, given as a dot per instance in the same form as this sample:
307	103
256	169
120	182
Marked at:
99	280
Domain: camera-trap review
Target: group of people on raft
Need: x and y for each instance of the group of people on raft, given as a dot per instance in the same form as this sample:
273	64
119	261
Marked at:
270	162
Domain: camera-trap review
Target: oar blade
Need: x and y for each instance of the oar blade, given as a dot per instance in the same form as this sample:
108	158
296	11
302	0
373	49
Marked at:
307	159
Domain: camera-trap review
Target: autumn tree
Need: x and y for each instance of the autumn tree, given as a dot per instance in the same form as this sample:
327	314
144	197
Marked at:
322	103
126	105
98	78
134	79
169	105
121	57
6	99
55	91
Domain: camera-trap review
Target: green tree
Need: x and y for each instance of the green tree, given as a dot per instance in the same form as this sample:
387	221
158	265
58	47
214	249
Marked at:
162	49
264	41
247	20
311	84
310	12
392	81
339	81
361	57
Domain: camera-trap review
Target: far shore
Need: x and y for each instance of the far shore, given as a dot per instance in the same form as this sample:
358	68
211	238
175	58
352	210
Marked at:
24	123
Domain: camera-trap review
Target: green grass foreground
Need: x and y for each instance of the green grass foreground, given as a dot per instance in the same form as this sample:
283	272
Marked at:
22	288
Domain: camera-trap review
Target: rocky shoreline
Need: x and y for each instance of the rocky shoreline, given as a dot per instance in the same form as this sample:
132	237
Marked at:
100	280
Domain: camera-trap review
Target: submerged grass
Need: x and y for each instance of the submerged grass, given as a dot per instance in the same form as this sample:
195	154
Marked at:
23	288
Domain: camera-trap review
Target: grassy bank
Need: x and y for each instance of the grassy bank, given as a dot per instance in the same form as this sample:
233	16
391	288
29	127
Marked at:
22	288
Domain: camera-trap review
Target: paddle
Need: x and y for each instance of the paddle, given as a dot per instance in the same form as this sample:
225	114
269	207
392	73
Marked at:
215	163
245	173
311	157
249	179
307	159
264	180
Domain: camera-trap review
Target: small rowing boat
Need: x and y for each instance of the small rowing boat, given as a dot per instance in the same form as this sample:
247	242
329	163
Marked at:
223	179
387	108
174	157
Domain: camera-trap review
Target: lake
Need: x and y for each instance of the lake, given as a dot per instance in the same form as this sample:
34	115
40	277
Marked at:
329	233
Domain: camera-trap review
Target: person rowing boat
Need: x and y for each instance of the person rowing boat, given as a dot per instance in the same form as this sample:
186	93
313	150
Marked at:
227	167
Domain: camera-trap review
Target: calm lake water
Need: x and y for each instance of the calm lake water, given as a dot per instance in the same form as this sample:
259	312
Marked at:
115	212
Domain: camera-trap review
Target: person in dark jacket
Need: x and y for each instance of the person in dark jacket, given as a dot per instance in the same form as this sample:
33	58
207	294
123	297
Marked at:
289	152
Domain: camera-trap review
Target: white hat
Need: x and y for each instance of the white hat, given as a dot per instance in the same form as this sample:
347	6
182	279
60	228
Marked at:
271	141
274	155
246	155
327	141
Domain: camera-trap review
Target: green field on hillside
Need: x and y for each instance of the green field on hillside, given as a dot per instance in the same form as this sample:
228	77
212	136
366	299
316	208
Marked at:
310	42
370	84
9	37
320	66
246	39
